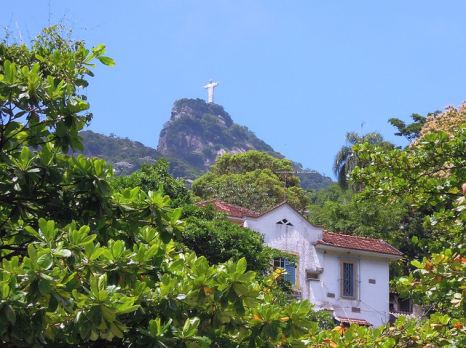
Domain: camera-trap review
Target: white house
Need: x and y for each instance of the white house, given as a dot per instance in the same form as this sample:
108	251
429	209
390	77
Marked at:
345	274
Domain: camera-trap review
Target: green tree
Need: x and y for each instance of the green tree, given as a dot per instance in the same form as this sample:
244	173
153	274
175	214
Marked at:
207	232
337	209
412	130
220	240
427	177
346	159
85	264
152	177
42	108
254	180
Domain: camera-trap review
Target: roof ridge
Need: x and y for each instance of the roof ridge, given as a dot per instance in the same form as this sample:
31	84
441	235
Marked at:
205	201
273	207
216	201
237	206
356	236
347	240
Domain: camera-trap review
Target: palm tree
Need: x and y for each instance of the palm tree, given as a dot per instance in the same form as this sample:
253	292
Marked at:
346	160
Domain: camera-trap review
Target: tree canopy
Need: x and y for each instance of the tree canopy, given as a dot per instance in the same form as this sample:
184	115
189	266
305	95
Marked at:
252	179
83	263
412	130
346	159
152	177
86	263
427	177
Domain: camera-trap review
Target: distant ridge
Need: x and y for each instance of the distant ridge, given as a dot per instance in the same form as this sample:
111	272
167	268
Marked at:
127	156
196	134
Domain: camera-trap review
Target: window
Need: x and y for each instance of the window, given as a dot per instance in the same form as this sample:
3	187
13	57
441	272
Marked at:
312	275
289	267
400	305
405	305
348	279
284	222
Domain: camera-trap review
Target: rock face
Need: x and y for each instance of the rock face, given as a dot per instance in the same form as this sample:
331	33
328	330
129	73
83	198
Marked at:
198	133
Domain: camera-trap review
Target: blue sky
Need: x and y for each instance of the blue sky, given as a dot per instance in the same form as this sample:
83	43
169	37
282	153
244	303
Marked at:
300	74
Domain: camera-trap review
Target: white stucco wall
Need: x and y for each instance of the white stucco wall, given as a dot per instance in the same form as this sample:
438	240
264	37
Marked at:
372	299
299	239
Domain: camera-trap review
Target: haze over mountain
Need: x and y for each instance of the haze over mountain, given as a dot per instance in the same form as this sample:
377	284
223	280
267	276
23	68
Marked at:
194	136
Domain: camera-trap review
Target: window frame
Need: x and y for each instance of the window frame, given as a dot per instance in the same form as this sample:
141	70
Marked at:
355	279
294	285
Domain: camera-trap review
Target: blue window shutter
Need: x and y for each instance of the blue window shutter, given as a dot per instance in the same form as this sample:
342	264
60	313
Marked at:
348	279
291	272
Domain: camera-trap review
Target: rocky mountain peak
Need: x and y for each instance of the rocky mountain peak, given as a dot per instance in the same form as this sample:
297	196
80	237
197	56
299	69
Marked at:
199	132
197	109
192	139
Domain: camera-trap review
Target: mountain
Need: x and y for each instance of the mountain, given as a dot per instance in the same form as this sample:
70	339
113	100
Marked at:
199	132
127	156
196	134
124	154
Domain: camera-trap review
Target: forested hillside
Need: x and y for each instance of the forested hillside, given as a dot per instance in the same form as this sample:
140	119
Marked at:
194	137
124	154
127	156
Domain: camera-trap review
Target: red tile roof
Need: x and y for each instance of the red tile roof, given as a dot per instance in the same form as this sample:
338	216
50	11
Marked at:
346	320
358	243
337	240
230	209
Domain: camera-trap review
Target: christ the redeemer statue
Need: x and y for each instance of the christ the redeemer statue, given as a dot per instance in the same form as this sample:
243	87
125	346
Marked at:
210	90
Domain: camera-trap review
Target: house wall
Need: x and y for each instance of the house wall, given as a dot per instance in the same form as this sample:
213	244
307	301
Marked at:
371	299
299	239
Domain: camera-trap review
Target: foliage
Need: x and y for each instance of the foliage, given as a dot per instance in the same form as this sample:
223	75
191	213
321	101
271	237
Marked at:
346	159
41	106
40	91
412	130
438	281
127	156
199	132
389	207
448	121
220	240
254	160
443	288
152	177
146	292
337	209
83	263
428	177
206	232
439	330
253	180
